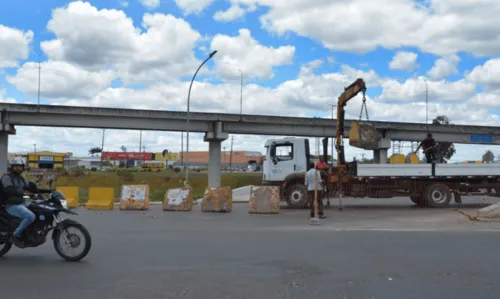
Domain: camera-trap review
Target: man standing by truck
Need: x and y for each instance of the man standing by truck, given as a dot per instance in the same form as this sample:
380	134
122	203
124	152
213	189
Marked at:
429	147
309	182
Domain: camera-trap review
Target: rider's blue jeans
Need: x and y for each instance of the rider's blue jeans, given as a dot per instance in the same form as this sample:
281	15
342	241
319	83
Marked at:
21	211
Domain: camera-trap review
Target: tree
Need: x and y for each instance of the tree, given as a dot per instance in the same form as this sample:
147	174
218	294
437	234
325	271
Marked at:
123	148
445	150
95	150
488	156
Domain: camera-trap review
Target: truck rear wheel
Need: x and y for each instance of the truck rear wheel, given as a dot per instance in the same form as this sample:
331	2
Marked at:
437	195
297	196
417	199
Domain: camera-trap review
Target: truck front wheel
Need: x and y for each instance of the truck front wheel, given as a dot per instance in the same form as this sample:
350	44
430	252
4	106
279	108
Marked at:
297	196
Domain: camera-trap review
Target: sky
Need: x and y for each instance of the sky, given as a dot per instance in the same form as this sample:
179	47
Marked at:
295	57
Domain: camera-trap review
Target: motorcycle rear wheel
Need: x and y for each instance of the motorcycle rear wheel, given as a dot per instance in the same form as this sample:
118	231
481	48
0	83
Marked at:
59	235
4	248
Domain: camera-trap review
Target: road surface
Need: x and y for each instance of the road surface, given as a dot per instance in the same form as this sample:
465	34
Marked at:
376	251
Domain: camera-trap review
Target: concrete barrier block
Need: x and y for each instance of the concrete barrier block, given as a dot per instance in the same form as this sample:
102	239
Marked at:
217	200
134	197
178	199
264	200
101	198
492	211
71	194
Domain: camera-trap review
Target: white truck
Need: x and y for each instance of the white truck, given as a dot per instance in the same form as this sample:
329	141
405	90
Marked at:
432	185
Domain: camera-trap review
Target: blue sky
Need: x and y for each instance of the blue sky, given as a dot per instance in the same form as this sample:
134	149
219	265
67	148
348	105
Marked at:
347	45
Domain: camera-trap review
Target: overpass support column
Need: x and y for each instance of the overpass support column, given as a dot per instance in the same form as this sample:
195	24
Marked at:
214	140
5	130
380	154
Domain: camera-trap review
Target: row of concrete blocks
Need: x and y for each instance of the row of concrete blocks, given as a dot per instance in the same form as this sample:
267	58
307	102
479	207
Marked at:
263	199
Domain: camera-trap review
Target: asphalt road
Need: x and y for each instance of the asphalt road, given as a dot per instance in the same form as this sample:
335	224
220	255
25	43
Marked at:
393	251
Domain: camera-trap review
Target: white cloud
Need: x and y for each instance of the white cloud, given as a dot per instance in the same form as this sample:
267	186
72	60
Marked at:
60	80
232	13
413	90
150	4
237	10
124	3
405	61
245	53
193	6
488	74
14	45
4	99
445	27
443	67
97	39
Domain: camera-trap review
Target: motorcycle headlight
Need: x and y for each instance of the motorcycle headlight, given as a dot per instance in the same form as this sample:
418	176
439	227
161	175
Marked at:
64	204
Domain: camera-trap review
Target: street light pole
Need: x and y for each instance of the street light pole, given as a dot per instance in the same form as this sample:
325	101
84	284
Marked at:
333	107
39	79
426	105
188	101
241	94
102	146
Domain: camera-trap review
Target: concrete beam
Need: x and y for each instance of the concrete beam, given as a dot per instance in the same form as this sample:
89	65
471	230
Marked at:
4	151
155	120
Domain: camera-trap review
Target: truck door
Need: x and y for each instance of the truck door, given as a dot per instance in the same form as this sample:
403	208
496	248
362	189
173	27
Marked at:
282	160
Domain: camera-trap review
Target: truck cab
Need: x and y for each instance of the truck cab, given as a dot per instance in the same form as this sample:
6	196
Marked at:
285	165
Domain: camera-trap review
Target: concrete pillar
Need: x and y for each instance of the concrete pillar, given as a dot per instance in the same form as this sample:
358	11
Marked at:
214	139
214	163
380	156
4	151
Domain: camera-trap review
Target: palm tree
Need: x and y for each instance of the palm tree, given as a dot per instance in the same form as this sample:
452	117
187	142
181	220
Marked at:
95	150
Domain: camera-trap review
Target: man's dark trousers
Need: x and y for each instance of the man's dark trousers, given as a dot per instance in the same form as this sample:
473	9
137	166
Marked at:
310	195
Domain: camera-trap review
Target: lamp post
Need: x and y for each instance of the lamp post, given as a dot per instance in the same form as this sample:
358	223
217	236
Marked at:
188	101
102	147
426	105
241	93
333	107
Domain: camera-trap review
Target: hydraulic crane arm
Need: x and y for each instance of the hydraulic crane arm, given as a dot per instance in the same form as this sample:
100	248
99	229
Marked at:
349	92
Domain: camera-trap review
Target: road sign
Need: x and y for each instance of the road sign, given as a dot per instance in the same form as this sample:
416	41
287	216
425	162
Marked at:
481	138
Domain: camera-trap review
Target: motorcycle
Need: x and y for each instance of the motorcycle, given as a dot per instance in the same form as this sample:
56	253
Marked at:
48	217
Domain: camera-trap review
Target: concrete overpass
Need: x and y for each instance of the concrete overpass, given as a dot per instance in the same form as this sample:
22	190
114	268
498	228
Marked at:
217	126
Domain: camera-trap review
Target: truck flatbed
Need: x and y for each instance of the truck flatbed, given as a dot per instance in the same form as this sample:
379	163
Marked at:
424	170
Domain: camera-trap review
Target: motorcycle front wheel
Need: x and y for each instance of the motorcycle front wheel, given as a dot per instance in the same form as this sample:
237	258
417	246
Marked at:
4	248
76	238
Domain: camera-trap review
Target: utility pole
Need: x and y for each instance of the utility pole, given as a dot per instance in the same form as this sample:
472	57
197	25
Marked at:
241	94
231	155
182	148
102	146
39	79
140	147
333	107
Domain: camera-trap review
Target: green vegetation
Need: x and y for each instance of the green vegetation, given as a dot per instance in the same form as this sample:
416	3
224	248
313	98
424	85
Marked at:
158	183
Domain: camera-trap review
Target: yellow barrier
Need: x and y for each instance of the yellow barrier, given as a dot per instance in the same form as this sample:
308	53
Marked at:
412	158
217	200
397	159
101	198
134	197
264	200
179	199
71	194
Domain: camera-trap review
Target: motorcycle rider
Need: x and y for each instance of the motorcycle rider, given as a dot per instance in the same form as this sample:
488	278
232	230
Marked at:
13	186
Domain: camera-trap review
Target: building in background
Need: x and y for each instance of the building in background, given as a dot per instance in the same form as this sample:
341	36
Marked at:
83	162
46	159
238	159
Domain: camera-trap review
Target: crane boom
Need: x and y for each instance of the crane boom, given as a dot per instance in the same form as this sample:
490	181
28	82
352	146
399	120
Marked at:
349	92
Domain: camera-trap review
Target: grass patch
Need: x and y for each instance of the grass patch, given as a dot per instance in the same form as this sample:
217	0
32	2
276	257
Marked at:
158	183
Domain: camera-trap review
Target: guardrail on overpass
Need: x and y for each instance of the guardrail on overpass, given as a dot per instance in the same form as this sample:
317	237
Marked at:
154	120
